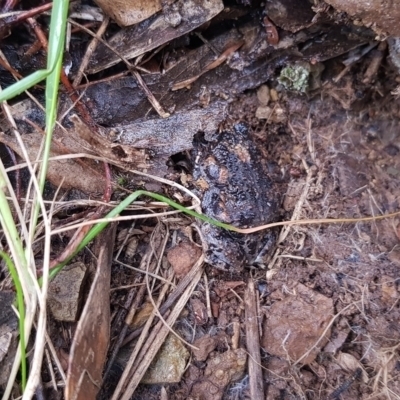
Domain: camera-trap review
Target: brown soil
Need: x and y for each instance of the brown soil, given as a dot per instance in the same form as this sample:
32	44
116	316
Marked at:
329	300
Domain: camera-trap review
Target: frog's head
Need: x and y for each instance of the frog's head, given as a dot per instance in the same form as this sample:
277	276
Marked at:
225	249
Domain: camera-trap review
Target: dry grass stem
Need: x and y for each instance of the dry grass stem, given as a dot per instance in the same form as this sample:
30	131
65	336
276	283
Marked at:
89	51
164	330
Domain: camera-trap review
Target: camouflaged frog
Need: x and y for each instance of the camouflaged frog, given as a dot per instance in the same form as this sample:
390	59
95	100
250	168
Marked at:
232	178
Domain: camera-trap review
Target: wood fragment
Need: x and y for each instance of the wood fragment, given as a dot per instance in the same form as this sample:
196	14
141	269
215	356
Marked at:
90	344
132	303
136	40
253	343
377	57
236	335
207	292
216	63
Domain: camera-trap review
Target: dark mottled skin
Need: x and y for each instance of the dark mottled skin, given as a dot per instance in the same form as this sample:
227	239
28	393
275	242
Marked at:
232	179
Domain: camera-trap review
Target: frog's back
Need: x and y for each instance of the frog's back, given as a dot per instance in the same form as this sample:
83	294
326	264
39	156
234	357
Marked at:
232	178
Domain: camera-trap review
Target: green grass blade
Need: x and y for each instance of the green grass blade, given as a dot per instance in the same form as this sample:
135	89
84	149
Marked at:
58	26
54	65
121	207
22	85
9	227
21	311
56	45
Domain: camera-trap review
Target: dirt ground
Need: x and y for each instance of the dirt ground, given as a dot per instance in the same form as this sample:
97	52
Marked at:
321	318
328	302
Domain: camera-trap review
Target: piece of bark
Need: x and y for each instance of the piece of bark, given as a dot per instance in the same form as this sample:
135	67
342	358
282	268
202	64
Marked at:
92	336
253	342
166	137
136	40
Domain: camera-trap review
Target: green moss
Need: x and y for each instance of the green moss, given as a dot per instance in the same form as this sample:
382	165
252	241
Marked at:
295	77
122	181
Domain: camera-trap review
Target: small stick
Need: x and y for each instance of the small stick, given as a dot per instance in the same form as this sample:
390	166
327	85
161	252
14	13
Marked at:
377	57
4	64
208	303
89	51
253	343
50	369
163	332
345	385
17	17
118	344
176	294
236	335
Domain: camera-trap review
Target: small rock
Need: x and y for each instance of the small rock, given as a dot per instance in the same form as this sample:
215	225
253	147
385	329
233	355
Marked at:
182	257
200	311
263	112
295	324
169	364
65	292
274	95
206	344
336	342
221	371
279	115
263	95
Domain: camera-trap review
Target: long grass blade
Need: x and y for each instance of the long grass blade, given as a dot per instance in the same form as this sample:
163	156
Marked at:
21	312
